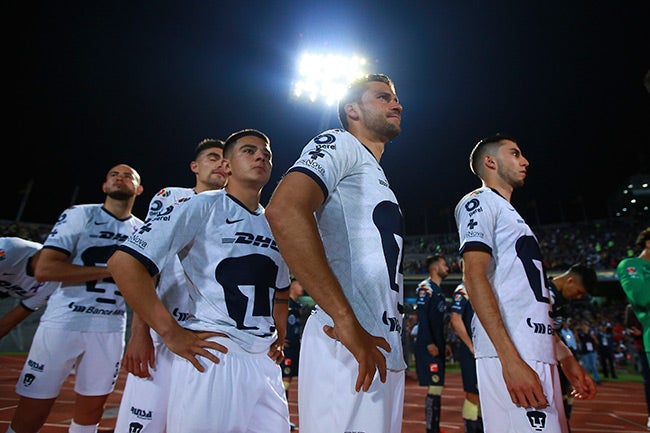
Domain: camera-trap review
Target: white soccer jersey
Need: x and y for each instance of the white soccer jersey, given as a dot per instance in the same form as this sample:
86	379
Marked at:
16	277
231	261
487	221
172	284
88	234
361	225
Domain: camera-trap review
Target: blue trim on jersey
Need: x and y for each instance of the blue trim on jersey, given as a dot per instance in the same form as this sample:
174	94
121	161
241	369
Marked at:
59	249
28	269
314	177
151	266
113	216
477	245
233	198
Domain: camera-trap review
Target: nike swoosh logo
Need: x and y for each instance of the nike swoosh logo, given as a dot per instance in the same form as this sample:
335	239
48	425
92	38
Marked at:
233	221
100	224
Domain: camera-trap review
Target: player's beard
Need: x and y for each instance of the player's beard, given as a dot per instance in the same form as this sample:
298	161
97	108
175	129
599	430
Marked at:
379	124
511	180
119	195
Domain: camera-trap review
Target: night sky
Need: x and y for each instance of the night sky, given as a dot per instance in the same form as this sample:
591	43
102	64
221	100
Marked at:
92	84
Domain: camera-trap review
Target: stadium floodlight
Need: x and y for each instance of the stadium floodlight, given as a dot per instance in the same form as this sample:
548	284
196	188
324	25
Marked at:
326	76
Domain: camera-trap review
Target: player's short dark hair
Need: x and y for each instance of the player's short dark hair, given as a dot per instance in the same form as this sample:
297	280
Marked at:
586	274
643	237
432	259
483	147
355	90
207	143
232	139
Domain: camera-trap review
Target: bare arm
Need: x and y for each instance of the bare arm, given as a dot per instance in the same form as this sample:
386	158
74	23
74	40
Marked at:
522	382
13	318
457	324
584	386
291	216
138	290
139	354
53	265
280	316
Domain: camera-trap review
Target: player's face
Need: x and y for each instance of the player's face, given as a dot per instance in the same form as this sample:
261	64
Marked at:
574	289
442	269
380	110
122	183
209	168
296	288
250	160
511	164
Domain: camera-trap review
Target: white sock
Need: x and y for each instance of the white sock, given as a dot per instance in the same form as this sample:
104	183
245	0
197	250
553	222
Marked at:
77	428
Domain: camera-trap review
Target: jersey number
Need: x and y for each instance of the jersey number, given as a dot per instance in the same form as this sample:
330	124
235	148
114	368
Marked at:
388	220
246	282
531	257
95	256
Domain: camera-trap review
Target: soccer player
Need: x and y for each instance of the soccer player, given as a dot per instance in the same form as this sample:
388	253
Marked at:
238	284
339	228
143	407
515	346
430	345
460	319
85	319
634	275
18	258
572	284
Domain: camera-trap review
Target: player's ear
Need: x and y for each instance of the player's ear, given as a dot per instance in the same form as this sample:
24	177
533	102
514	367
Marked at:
194	166
139	190
352	111
490	162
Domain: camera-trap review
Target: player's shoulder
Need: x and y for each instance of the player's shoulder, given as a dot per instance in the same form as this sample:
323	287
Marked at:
14	243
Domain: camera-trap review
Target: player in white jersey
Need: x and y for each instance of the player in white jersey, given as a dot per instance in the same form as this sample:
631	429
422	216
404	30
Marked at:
515	347
18	257
339	227
238	284
143	407
84	322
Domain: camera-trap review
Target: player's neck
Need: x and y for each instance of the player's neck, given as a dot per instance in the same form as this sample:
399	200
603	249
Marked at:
374	143
645	254
504	189
248	196
119	208
436	279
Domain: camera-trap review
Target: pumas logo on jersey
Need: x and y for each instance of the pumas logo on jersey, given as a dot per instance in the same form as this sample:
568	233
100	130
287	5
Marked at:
35	365
539	328
28	379
141	413
537	419
251	239
135	427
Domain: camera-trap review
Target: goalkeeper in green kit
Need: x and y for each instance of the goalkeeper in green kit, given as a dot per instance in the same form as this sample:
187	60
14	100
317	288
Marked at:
634	275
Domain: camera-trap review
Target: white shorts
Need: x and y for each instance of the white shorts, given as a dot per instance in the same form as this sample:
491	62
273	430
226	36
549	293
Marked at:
327	400
500	415
143	408
95	356
242	393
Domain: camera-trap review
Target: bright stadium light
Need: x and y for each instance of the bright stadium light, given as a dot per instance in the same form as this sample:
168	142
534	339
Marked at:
326	76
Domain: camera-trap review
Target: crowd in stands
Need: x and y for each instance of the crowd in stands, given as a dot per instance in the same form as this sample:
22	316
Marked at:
600	244
29	231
